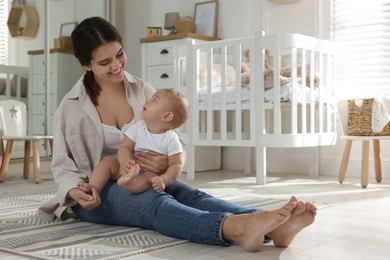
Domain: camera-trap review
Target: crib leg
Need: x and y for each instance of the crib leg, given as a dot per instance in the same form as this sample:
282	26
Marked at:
190	162
261	165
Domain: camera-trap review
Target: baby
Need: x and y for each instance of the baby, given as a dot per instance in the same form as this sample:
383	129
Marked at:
165	111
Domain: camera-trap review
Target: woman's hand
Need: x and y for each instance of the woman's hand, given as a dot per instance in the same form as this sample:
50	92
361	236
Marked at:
152	162
86	196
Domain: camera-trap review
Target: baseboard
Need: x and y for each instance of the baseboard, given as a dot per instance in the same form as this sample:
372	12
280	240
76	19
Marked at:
233	160
15	168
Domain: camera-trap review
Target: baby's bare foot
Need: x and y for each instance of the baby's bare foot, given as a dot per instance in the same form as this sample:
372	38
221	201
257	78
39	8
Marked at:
249	229
126	179
302	216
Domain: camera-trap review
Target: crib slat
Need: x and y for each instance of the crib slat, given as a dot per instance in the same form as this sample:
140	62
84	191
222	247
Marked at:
209	111
320	98
304	98
277	106
294	103
312	93
238	114
194	131
223	120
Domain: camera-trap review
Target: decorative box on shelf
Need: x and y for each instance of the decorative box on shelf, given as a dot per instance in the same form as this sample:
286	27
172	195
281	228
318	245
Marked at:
63	42
359	119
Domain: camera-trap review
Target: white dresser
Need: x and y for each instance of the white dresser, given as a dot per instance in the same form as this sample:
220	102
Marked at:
160	56
65	70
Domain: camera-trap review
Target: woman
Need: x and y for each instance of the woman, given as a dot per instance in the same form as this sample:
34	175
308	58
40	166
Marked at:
88	126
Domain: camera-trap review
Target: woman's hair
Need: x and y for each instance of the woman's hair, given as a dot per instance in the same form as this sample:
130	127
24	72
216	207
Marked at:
90	34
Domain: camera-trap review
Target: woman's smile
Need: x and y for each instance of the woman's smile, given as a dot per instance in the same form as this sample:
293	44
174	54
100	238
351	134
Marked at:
117	73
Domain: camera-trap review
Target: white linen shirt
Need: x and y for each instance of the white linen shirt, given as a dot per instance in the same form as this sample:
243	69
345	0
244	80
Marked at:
78	140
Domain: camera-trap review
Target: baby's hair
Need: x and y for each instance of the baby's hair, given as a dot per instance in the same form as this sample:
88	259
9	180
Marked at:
178	105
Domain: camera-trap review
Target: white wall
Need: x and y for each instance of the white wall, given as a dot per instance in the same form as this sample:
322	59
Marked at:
291	18
133	16
60	11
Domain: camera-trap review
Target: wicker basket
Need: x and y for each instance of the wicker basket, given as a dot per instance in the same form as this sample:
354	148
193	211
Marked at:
187	25
359	119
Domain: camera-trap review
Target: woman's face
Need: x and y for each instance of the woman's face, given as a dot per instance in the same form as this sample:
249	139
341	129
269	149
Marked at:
108	63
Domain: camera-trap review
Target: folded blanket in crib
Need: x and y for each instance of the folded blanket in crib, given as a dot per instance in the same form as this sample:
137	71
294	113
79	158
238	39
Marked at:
380	112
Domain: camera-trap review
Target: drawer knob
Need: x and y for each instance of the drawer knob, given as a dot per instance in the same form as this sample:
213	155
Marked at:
164	76
164	51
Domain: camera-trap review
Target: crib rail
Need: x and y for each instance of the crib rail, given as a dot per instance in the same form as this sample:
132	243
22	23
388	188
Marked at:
212	123
12	77
312	120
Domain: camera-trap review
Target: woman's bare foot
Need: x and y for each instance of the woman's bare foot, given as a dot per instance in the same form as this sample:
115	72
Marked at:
302	216
248	230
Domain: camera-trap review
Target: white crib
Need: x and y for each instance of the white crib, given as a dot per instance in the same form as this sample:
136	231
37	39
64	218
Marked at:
223	113
13	82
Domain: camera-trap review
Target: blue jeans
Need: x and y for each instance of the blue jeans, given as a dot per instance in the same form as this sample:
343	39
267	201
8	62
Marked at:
180	211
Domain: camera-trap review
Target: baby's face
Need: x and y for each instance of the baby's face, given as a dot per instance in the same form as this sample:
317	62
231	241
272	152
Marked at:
154	108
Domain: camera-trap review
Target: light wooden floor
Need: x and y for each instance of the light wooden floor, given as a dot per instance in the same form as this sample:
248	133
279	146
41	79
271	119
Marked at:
355	226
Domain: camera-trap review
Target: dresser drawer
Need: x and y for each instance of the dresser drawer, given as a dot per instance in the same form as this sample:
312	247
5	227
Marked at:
38	125
159	53
38	104
38	64
38	84
161	76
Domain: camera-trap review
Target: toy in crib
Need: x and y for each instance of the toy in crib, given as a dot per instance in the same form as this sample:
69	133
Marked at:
285	72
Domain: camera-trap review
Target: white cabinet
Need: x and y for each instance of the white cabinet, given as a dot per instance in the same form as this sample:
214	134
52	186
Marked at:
65	70
160	58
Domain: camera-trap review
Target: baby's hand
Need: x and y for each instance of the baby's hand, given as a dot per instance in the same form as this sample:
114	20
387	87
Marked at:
158	183
86	187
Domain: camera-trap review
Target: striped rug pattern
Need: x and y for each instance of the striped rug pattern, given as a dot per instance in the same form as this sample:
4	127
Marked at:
22	233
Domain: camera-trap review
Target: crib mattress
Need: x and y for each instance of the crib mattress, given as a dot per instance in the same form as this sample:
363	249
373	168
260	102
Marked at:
285	94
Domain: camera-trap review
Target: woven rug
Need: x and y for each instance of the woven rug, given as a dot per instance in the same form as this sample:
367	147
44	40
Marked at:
22	233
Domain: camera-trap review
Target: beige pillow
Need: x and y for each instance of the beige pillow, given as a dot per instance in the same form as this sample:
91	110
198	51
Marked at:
2	85
216	75
23	83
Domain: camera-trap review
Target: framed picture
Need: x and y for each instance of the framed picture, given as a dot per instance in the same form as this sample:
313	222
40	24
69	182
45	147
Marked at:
206	18
67	29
